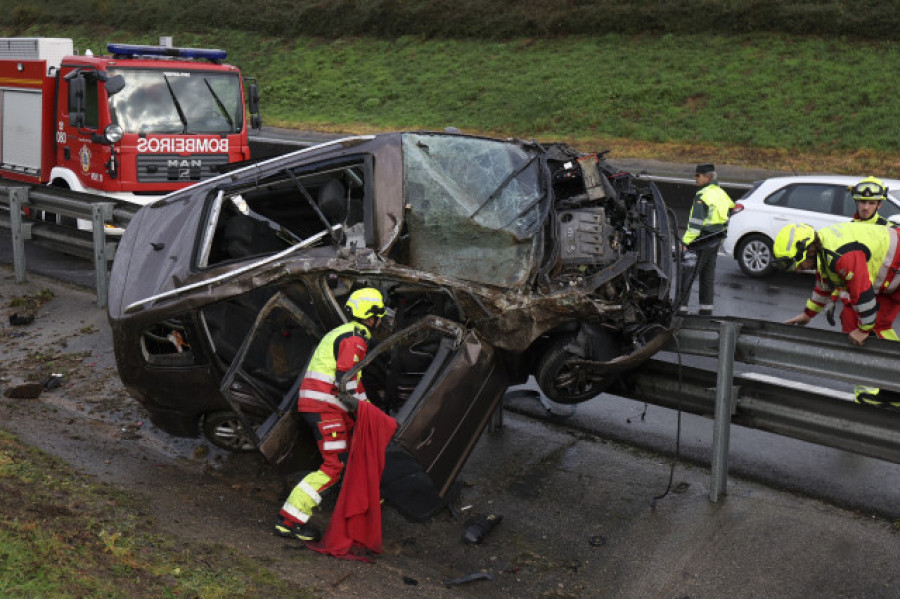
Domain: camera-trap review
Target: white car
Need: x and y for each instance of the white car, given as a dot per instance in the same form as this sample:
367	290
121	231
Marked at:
817	200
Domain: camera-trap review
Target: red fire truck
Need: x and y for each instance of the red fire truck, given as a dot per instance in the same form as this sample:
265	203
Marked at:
134	124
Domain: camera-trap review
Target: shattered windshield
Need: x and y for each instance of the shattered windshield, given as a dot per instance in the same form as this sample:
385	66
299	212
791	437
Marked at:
476	206
171	101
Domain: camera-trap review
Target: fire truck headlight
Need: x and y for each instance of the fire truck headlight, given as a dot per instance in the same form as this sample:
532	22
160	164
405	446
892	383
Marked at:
113	133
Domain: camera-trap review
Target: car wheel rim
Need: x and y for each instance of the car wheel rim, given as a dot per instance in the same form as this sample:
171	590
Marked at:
231	434
573	382
757	256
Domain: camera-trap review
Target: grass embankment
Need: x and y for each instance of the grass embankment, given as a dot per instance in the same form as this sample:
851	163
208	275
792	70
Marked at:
768	100
64	535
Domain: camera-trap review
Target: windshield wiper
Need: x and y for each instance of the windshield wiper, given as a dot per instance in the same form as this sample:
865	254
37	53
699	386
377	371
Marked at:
220	105
177	104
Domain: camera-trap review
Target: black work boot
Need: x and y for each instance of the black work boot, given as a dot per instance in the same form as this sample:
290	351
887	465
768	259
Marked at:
303	532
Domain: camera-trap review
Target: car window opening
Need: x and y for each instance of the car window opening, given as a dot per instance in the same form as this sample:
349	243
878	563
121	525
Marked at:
282	211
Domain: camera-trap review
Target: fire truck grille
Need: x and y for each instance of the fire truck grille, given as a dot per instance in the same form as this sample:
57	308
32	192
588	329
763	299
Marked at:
167	168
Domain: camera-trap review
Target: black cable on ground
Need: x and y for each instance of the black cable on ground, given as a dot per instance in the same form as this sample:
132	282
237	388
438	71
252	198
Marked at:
677	433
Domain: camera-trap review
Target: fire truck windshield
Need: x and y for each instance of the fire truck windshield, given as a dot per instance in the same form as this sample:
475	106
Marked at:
178	102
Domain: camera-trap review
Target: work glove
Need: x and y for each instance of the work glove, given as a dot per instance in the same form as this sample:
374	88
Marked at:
349	400
829	313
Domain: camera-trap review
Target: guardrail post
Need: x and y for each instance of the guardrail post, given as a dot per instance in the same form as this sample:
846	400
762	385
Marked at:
17	197
728	333
101	212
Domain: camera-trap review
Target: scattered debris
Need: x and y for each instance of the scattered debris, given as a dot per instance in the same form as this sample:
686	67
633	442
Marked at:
19	320
410	581
597	541
479	526
53	381
130	432
30	390
468	578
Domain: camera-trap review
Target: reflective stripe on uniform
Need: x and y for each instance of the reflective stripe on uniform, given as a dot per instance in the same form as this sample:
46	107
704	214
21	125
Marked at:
866	310
885	269
820	298
307	488
305	497
319	376
317	395
334	445
294	513
866	307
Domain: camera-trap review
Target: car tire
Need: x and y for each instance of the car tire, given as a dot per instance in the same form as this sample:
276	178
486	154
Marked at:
754	255
559	382
225	430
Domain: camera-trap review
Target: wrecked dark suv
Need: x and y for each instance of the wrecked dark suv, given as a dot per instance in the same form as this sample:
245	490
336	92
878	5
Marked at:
499	260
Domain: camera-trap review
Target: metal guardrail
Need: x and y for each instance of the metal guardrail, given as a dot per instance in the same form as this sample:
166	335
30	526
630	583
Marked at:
93	244
807	350
788	408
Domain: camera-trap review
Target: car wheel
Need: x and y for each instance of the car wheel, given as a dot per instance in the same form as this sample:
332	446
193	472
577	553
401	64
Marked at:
224	429
754	255
564	383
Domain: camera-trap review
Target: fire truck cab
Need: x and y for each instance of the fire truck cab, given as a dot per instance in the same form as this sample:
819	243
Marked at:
135	124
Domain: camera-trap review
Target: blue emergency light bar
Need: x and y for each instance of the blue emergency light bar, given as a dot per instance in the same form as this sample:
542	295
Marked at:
139	50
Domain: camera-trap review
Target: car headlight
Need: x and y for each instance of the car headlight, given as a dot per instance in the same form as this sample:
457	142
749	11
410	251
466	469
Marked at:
113	133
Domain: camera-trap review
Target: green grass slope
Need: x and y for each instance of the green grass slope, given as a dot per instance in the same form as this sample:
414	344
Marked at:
771	100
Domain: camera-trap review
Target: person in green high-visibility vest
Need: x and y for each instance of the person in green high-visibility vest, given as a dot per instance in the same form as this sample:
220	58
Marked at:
709	214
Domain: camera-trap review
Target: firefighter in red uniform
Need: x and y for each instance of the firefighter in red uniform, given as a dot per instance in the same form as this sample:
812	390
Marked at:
861	258
869	194
327	414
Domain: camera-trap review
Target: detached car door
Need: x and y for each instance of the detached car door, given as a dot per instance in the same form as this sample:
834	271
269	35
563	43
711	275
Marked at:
453	401
450	407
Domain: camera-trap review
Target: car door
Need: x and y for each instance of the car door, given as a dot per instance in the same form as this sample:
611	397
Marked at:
816	204
453	401
450	408
263	378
